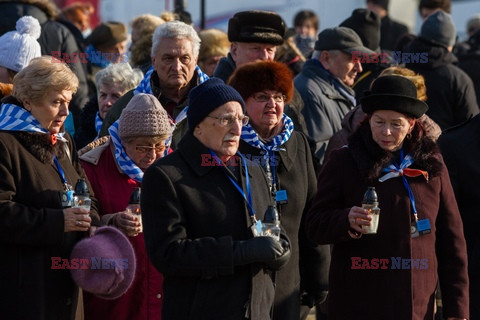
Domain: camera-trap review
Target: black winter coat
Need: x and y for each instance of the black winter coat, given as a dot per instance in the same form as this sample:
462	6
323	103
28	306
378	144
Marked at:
86	132
461	151
307	269
192	216
32	227
450	92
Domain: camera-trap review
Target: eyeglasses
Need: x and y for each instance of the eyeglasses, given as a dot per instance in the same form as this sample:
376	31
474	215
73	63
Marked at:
228	120
145	149
264	97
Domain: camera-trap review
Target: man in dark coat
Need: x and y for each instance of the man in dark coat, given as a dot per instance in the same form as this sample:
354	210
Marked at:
469	60
390	30
179	41
366	24
460	151
55	38
199	207
255	35
325	84
450	91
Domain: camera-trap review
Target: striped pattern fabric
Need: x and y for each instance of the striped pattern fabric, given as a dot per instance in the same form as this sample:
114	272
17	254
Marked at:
16	118
251	137
123	160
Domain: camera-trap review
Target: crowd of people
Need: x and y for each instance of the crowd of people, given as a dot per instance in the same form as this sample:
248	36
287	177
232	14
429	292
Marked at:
174	173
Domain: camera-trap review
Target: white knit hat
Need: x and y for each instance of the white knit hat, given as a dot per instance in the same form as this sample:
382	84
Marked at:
18	47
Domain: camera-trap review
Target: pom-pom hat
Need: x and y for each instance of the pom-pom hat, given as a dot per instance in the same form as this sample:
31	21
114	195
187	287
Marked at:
18	47
395	93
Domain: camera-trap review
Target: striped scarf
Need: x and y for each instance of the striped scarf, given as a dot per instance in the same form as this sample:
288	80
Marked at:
251	137
16	118
95	57
123	160
145	87
98	123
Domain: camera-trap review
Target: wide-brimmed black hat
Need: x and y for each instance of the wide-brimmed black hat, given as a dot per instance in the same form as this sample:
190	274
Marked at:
395	93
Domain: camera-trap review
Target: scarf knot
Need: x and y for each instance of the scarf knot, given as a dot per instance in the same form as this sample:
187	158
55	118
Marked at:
393	170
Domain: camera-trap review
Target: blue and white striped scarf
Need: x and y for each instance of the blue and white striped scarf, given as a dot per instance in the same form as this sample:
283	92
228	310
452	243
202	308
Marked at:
123	160
251	137
145	87
98	123
16	118
95	57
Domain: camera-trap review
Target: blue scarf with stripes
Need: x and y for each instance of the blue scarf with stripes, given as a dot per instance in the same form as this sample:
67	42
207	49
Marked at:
123	160
145	87
16	118
251	137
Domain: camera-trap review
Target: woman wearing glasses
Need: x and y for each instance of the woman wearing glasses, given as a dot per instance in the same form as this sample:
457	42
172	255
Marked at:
115	165
284	154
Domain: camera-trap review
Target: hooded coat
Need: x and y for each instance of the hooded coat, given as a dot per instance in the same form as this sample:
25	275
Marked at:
450	91
34	286
192	215
390	275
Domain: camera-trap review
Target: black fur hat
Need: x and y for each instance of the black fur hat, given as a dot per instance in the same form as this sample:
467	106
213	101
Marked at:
256	26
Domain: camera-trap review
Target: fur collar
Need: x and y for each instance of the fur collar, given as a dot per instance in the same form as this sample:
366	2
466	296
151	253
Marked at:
371	159
40	146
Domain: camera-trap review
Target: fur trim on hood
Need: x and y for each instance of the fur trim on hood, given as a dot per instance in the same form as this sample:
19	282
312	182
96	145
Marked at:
47	6
371	159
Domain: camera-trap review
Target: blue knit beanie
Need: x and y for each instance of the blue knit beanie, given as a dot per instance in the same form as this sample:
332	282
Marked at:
207	97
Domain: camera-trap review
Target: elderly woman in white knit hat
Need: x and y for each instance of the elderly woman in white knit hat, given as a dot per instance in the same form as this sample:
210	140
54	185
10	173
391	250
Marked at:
114	165
17	48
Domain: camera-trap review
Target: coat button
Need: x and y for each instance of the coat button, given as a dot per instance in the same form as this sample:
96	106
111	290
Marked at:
68	301
159	296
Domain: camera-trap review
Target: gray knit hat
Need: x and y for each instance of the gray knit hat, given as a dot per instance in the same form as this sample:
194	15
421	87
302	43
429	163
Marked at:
143	116
439	29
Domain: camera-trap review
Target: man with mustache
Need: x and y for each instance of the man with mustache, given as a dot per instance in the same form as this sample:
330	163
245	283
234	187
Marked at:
174	72
325	83
200	207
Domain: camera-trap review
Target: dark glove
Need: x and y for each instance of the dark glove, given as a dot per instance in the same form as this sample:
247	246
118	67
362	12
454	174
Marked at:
259	249
278	263
311	300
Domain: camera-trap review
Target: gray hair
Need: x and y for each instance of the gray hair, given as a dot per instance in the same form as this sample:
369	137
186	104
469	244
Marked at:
176	30
120	75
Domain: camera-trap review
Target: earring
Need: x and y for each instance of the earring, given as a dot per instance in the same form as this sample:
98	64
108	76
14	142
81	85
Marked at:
409	135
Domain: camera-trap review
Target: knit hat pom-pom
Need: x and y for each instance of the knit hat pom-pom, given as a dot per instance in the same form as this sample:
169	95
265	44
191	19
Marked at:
29	25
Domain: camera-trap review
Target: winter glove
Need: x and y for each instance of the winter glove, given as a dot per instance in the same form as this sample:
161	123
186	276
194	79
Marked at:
260	249
278	263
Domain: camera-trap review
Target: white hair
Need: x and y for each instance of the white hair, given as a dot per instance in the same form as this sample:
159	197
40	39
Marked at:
175	30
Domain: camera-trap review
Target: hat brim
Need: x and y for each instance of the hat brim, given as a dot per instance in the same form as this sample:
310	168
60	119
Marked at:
117	239
399	103
363	50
